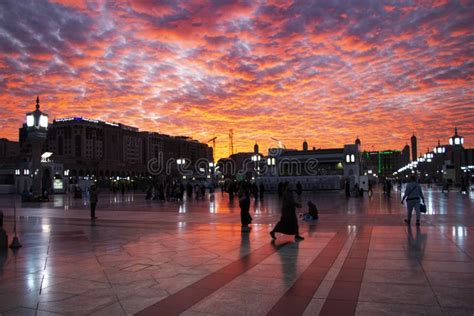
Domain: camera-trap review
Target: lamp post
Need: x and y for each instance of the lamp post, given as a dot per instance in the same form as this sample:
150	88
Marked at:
439	149
37	127
456	140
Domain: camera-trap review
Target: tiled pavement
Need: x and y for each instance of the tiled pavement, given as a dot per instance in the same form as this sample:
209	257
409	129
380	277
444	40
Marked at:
149	258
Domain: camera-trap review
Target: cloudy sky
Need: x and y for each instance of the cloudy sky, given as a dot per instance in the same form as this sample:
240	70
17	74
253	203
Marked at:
325	71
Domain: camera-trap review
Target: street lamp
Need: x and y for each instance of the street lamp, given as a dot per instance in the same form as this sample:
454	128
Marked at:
37	127
439	149
456	140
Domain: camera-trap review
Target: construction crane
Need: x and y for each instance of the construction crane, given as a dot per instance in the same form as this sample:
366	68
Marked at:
231	142
213	140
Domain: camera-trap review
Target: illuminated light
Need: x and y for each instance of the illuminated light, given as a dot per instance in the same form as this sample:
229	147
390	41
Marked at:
459	231
43	121
184	177
30	120
46	155
352	158
45	228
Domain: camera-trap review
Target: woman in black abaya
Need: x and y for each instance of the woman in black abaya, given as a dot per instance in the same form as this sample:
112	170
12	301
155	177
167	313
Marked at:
288	223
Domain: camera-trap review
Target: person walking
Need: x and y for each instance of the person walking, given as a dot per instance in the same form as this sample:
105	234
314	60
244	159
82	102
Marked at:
244	203
347	188
413	194
93	198
261	190
288	223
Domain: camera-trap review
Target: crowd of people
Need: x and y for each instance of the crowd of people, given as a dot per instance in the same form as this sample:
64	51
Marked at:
246	190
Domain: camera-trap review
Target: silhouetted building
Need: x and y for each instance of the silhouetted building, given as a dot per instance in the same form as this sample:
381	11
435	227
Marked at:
414	153
405	155
383	163
8	149
305	145
104	149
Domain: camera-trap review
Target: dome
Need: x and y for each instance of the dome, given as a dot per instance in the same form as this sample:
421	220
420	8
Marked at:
357	141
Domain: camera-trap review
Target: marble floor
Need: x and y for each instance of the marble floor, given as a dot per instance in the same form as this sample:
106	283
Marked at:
191	258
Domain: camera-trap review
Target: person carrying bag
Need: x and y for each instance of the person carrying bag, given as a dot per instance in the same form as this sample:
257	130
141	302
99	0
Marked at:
413	194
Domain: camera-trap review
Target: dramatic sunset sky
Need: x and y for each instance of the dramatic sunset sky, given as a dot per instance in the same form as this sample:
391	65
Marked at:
322	70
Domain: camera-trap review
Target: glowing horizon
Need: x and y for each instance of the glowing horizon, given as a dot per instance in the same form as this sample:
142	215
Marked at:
295	70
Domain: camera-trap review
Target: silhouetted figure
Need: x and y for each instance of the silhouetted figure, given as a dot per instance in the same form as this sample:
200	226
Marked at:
93	199
347	188
149	193
244	203
288	223
231	191
463	186
255	191
388	188
445	187
369	191
413	194
181	192
122	189
161	192
45	196
312	212
280	189
202	189
261	190
299	188
189	190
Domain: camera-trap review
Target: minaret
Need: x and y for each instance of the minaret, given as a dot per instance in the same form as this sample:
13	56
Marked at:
357	141
255	148
305	145
413	148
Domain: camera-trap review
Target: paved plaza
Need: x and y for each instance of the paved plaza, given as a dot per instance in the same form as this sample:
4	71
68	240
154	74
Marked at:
151	258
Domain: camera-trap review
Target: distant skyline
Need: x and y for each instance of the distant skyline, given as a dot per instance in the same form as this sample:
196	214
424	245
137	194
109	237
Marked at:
322	71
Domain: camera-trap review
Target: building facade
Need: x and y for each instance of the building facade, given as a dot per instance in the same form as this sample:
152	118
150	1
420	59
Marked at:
100	149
